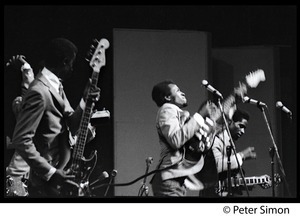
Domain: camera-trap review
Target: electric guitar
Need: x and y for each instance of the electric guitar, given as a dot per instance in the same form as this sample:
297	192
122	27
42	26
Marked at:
195	147
263	181
79	166
16	186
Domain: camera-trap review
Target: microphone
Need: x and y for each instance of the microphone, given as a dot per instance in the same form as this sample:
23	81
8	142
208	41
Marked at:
211	89
149	160
112	175
104	175
283	108
246	99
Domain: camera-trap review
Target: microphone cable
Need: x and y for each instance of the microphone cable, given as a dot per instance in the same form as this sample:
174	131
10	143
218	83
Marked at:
135	180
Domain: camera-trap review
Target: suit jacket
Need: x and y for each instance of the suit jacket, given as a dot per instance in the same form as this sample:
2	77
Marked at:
173	134
42	129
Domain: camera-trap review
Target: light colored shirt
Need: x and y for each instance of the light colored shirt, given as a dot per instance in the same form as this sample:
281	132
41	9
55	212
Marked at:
220	143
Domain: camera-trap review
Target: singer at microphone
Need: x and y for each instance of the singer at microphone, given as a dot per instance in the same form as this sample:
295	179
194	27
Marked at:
246	99
211	89
283	108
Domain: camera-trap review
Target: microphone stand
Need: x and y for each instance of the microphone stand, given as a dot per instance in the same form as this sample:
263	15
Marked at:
271	151
229	186
228	149
112	176
144	188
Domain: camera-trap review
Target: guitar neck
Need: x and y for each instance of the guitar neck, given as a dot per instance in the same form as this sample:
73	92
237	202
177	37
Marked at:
251	80
228	103
85	119
250	181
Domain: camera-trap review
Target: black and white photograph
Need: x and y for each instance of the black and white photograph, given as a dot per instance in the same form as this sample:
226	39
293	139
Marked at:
151	104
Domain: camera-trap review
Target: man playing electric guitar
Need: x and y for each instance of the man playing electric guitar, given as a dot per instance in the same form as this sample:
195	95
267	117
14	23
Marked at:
197	148
237	127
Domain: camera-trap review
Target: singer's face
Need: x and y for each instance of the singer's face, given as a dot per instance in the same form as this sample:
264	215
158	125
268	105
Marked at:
177	97
237	129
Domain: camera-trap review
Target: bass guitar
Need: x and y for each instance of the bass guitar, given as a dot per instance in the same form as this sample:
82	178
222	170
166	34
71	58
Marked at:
16	186
79	166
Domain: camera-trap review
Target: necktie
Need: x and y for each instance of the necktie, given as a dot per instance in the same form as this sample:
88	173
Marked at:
60	89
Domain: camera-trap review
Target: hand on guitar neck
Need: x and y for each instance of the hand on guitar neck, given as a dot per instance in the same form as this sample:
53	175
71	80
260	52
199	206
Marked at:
91	92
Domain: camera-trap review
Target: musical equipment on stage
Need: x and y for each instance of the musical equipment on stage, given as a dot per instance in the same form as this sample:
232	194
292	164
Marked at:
79	166
211	89
112	176
104	175
144	189
100	117
16	186
195	148
263	181
279	105
258	103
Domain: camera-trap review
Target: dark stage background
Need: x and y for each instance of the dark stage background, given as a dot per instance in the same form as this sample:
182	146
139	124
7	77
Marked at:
26	28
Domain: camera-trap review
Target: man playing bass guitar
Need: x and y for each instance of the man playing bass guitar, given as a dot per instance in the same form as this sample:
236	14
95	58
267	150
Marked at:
41	135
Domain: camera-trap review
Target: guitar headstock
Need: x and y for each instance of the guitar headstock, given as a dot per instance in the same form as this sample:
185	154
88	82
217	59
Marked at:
98	56
255	77
268	181
277	179
252	81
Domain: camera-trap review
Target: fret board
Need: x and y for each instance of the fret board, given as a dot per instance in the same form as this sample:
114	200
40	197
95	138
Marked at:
254	180
81	139
97	61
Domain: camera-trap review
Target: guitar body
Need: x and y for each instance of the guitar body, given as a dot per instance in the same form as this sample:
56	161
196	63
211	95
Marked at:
16	186
79	166
82	170
202	141
193	150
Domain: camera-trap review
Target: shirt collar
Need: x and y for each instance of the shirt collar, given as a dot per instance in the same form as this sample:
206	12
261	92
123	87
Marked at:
52	78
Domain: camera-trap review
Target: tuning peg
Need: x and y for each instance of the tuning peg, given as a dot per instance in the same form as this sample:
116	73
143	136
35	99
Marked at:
95	41
89	55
